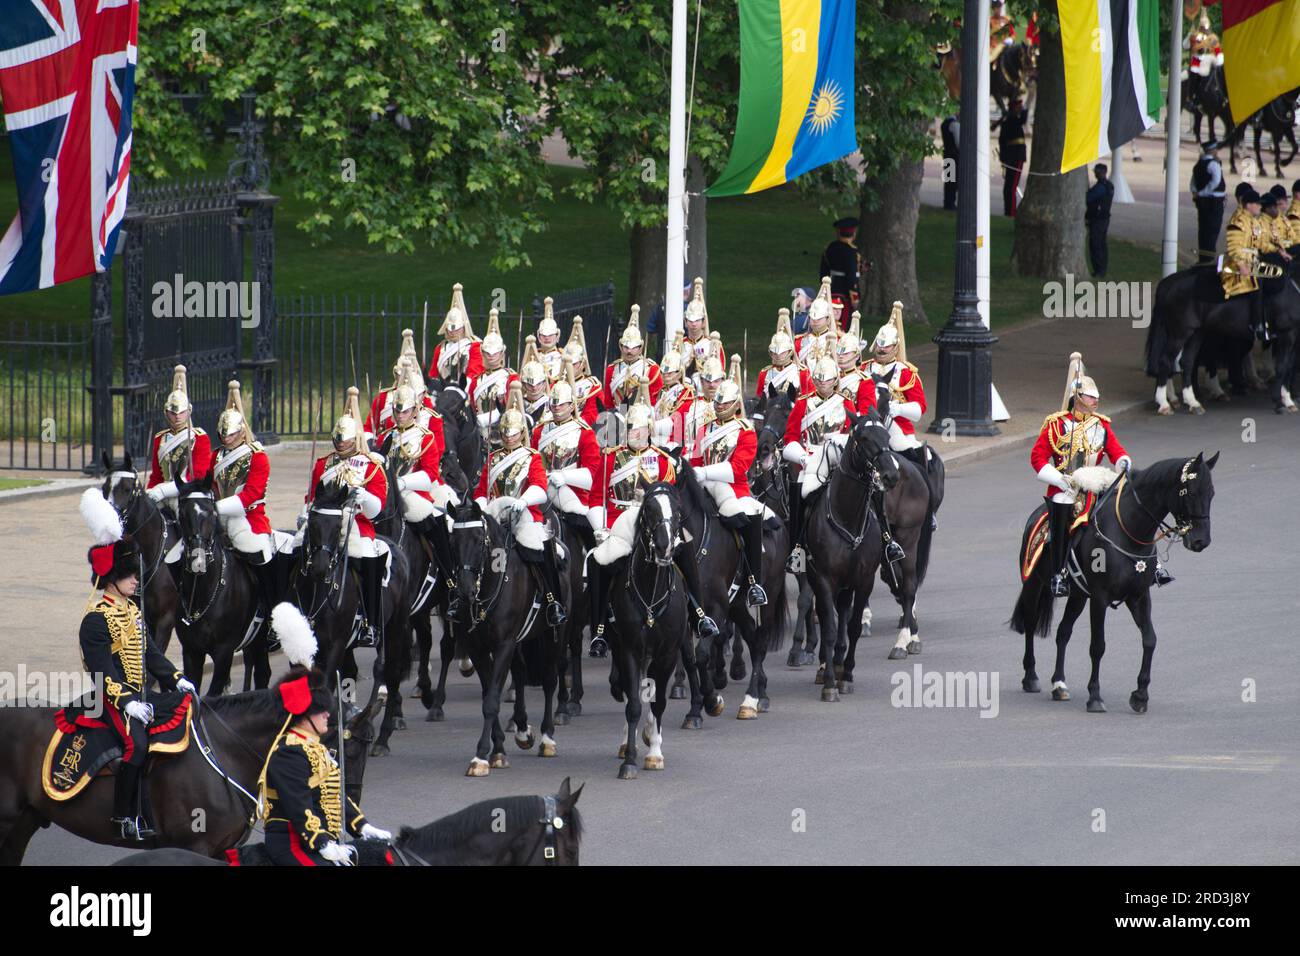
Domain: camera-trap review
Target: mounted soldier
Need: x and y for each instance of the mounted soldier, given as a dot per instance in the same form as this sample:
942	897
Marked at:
700	414
121	658
536	382
726	450
569	453
240	470
548	343
423	412
716	359
627	471
180	452
855	385
301	788
414	455
623	378
675	400
459	344
696	344
1075	437
380	418
590	391
815	420
1204	49
352	464
488	392
512	488
1273	211
1246	238
784	370
822	330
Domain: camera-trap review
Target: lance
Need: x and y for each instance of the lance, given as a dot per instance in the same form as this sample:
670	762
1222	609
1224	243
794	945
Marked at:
519	339
424	335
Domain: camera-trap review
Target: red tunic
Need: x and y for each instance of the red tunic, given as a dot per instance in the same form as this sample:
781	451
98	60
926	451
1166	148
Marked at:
609	465
804	379
588	457
202	458
1054	442
376	483
430	460
431	421
794	424
904	378
472	370
253	492
655	380
381	411
742	456
536	479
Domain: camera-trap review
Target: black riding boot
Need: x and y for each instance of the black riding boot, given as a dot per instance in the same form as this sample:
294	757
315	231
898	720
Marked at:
1257	321
371	573
684	558
796	563
268	592
1060	516
756	596
598	581
893	550
125	793
555	612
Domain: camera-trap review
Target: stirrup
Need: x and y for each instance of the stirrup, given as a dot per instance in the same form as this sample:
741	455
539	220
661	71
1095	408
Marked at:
796	565
756	596
556	615
599	646
367	637
705	626
894	551
1059	586
1163	577
127	827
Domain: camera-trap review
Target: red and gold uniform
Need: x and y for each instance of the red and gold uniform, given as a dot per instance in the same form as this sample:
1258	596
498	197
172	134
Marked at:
488	394
510	474
571	457
622	379
906	400
813	419
773	379
170	456
626	473
416	456
1074	439
445	354
241	473
365	471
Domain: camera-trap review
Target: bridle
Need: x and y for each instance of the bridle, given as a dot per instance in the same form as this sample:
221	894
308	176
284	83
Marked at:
1174	531
337	555
212	553
870	480
550	819
654	604
479	609
134	497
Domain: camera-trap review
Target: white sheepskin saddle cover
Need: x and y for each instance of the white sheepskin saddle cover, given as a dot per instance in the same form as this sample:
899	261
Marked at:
529	533
1094	478
822	464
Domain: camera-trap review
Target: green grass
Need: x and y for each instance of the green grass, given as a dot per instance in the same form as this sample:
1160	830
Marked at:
761	246
7	483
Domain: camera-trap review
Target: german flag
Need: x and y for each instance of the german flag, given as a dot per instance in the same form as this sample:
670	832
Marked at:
1261	52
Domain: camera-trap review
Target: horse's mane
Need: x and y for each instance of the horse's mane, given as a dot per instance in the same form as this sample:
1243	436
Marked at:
686	480
447	833
250	702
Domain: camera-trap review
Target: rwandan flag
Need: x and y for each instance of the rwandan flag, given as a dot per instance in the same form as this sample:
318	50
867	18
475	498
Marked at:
1111	50
796	92
1261	52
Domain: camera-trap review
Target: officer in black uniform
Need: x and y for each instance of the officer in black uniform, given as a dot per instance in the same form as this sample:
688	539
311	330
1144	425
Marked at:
950	130
121	658
1097	219
1011	151
1208	193
840	262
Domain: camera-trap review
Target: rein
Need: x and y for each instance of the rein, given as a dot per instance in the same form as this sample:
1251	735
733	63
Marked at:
219	557
136	495
650	607
870	481
206	750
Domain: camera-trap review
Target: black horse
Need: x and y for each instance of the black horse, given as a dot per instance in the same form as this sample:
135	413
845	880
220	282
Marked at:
1189	306
1011	73
219	598
154	536
650	623
1126	524
509	831
1207	97
218	772
496	605
844	547
1278	120
330	598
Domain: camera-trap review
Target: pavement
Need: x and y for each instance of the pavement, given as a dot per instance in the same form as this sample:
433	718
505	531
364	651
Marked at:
1205	777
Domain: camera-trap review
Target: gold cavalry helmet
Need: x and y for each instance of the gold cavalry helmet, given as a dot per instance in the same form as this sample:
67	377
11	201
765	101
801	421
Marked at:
696	310
631	337
409	394
532	371
850	342
457	315
408	349
565	389
641	414
178	399
825	369
891	333
729	392
821	307
575	350
493	343
1078	382
548	325
232	419
672	363
783	339
349	424
513	420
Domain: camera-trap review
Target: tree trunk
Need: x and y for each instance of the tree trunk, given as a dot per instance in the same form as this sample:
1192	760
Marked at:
697	224
1049	223
648	274
887	241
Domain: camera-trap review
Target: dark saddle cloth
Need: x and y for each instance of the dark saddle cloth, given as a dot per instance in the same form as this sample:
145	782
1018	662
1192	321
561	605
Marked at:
369	853
85	742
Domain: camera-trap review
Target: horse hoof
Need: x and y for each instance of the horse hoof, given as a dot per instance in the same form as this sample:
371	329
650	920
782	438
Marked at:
898	653
1164	410
764	705
1060	693
1031	685
677	692
1137	703
719	679
830	695
914	647
821	675
466	669
1096	707
379	750
562	719
794	659
806	658
575	708
738	668
525	741
399	723
499	762
477	768
747	713
1292	409
692	723
718	707
435	714
1197	409
426	698
627	771
546	750
846	686
653	763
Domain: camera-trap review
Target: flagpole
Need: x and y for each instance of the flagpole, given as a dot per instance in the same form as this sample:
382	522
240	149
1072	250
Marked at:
983	242
1173	121
676	265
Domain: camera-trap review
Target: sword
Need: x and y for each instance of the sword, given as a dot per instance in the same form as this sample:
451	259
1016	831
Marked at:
424	335
343	759
519	339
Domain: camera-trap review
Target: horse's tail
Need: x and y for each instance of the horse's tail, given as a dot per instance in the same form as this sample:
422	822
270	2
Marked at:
534	659
1158	335
923	546
776	618
1033	611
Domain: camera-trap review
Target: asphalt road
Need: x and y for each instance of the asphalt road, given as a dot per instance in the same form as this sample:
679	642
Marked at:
1202	778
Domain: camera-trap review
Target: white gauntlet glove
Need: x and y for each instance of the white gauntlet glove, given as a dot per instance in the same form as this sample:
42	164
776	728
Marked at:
140	711
374	833
184	686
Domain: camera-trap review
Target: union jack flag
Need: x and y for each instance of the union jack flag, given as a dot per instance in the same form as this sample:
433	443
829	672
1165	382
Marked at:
67	79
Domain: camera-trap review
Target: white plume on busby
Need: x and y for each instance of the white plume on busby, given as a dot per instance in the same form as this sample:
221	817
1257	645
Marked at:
101	517
294	633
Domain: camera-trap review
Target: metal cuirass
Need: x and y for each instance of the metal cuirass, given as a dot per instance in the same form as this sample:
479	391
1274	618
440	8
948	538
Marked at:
720	449
491	388
558	445
631	489
176	459
512	481
230	475
830	422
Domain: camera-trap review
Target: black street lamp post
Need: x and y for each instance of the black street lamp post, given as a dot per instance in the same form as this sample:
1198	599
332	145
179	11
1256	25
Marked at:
965	382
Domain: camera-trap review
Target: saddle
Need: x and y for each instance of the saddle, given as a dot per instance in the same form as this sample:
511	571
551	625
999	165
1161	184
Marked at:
1036	543
1208	288
369	853
83	747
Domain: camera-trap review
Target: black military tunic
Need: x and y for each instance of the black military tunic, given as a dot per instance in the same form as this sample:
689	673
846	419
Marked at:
305	802
840	262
